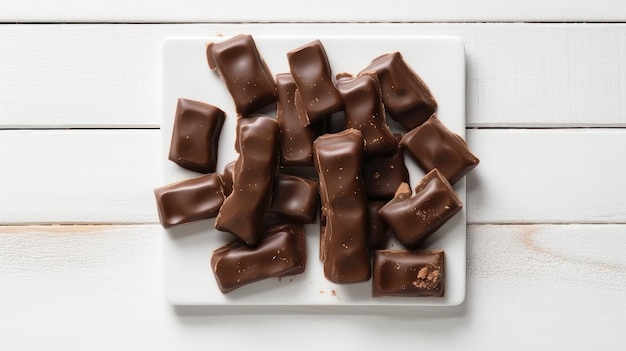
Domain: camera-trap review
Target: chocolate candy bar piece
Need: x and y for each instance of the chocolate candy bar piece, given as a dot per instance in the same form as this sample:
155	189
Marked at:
195	135
408	273
310	69
281	252
343	241
415	217
296	139
242	212
189	200
244	72
378	230
227	177
406	97
295	198
432	145
364	111
383	174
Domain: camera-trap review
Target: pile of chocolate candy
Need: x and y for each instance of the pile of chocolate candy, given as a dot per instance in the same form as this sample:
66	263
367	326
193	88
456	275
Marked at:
359	179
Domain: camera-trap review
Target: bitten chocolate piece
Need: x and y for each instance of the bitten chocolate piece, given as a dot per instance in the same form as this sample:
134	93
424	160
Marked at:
244	72
227	177
189	200
310	69
295	198
364	111
415	217
281	252
406	97
408	273
432	145
344	240
383	174
378	230
296	146
242	212
195	135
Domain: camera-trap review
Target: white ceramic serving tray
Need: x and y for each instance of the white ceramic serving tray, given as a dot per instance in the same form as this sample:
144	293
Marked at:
440	62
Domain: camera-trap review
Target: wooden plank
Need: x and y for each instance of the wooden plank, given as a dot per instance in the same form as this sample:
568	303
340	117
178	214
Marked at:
107	176
518	74
319	11
79	176
543	286
547	176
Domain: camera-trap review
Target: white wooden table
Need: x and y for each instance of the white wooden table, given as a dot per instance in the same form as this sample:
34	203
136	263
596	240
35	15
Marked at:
80	250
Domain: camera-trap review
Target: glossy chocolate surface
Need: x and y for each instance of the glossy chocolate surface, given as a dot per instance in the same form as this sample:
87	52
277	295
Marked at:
189	200
310	69
378	230
244	72
281	252
344	239
227	177
408	273
195	135
295	198
433	145
242	212
383	174
406	97
296	146
365	112
415	217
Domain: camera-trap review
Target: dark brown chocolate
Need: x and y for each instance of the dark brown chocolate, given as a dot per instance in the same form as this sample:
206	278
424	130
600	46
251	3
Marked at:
195	135
296	144
344	239
378	230
310	69
433	145
415	217
365	112
408	273
406	97
295	198
242	212
244	72
189	200
227	177
383	174
281	252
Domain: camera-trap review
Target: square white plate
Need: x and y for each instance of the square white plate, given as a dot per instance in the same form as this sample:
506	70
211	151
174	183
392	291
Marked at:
440	62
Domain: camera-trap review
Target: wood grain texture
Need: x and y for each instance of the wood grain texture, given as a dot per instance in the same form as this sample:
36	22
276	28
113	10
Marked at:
518	74
108	176
319	11
98	288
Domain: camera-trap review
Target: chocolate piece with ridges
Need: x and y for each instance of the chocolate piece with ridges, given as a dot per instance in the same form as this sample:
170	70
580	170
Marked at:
415	217
296	139
244	72
408	273
295	198
189	200
365	112
281	252
383	174
406	97
195	135
378	230
310	69
344	239
433	145
242	212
